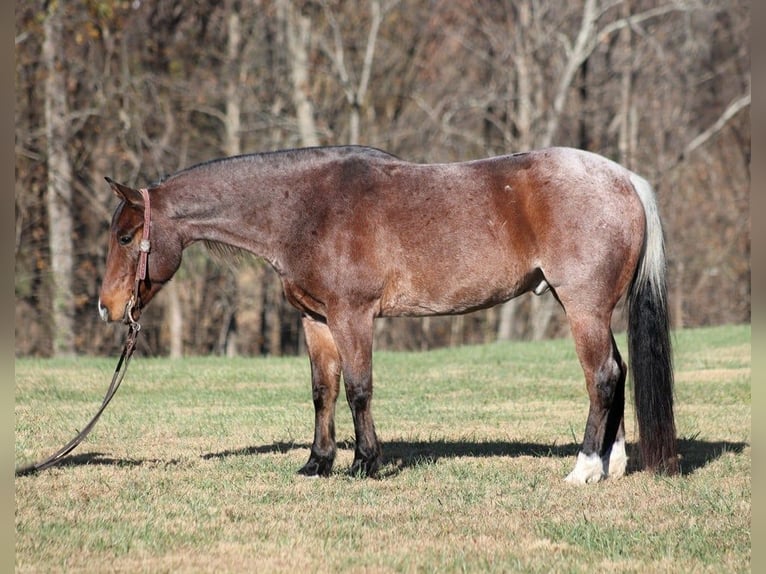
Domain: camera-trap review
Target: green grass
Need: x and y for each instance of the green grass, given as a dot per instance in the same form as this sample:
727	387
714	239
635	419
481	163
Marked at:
192	468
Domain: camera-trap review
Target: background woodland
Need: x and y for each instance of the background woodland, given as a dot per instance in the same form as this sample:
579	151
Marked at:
136	90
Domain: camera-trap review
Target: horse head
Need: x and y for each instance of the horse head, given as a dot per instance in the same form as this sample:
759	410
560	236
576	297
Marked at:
123	291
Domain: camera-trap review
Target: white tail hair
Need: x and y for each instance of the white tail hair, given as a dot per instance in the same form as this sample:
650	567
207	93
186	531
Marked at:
652	267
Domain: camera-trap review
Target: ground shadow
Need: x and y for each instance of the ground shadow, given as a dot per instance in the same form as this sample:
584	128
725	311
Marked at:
100	459
277	447
401	455
696	454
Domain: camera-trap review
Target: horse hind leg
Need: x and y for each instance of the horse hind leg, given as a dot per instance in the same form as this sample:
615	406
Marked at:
603	449
325	383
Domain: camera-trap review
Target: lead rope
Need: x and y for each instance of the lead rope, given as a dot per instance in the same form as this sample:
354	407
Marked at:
119	375
122	365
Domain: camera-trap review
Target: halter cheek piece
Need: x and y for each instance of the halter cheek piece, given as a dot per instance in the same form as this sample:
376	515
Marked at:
144	247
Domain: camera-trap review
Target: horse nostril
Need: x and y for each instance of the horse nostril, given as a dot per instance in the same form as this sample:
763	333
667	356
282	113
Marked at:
103	312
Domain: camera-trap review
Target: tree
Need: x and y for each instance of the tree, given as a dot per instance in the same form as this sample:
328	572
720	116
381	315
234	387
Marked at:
59	195
662	88
298	32
354	86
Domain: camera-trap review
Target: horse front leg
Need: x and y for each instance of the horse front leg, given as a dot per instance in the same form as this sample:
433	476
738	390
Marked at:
352	331
603	448
325	383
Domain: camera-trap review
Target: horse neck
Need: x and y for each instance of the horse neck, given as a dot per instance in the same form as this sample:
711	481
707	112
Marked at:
239	206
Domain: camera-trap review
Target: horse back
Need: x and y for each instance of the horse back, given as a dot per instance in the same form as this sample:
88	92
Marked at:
420	239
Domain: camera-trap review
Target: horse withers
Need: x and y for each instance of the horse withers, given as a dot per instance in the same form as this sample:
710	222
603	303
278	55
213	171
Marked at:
355	233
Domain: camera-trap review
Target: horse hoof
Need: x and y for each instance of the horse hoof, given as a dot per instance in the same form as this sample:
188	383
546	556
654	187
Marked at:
316	467
617	463
588	469
365	468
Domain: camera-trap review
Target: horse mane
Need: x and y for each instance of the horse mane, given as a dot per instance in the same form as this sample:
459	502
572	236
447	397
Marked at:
279	154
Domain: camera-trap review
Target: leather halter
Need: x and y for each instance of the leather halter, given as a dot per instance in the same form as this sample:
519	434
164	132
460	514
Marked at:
144	247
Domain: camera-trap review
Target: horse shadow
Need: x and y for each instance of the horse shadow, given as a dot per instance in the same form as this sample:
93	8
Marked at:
400	455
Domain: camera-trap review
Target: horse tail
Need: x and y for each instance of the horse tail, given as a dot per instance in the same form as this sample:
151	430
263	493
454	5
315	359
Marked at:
649	345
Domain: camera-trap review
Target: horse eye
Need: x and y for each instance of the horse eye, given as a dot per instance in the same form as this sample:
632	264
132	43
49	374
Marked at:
125	239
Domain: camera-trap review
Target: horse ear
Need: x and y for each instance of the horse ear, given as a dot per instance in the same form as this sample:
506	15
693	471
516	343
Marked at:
128	194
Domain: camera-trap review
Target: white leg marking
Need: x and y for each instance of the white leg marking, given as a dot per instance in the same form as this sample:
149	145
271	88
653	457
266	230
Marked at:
589	468
617	462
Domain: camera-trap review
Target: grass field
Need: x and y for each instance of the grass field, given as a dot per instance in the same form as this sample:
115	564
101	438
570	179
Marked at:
192	468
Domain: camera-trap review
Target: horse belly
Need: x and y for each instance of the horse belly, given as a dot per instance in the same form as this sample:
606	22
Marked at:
464	260
456	291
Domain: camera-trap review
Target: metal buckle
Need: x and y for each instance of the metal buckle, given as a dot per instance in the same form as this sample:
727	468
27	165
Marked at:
144	246
129	313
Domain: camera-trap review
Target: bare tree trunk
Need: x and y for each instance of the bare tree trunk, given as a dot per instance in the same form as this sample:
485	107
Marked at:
59	194
174	309
250	289
626	91
174	305
576	55
543	309
272	319
425	333
236	74
457	324
175	321
355	94
298	28
227	341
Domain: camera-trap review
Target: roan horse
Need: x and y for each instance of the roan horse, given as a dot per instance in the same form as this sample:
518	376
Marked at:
355	233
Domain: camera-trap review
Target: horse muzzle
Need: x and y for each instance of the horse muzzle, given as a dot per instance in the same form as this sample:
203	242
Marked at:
129	316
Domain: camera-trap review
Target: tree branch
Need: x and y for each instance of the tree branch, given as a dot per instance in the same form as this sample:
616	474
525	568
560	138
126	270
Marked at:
732	110
578	53
369	53
586	41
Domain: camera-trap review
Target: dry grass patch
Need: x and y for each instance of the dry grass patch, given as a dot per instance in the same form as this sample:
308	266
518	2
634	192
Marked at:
192	469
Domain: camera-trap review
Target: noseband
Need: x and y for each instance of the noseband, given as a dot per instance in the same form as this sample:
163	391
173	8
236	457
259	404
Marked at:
143	247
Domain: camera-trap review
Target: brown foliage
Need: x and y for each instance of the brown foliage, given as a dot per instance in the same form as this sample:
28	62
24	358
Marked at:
146	93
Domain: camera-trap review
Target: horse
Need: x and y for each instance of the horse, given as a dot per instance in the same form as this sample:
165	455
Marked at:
356	233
